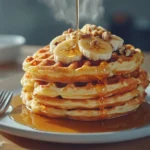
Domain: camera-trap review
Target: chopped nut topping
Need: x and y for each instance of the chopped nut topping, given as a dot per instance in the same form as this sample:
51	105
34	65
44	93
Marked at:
100	32
105	36
94	43
57	43
101	28
86	35
70	30
95	33
93	27
129	46
128	52
89	30
121	50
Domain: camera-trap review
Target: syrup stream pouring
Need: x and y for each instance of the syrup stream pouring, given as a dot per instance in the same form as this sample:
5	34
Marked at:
77	19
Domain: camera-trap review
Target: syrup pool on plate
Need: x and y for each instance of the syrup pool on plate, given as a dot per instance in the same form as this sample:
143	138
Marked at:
23	116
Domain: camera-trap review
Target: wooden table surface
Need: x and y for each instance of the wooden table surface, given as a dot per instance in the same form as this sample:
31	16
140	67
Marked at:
18	143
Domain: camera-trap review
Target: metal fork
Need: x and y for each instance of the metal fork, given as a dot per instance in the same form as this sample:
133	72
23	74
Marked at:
5	99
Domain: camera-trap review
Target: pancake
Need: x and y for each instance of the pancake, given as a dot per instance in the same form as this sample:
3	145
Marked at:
60	103
42	66
84	91
87	115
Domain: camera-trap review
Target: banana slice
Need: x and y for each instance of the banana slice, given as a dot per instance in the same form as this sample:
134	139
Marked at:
56	41
116	42
95	48
67	52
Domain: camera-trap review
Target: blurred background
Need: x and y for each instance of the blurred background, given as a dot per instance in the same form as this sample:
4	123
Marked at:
35	20
38	21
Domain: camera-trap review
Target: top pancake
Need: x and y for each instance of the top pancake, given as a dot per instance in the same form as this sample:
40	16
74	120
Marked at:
43	67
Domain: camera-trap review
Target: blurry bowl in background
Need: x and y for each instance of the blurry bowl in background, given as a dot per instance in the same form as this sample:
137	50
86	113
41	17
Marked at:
10	48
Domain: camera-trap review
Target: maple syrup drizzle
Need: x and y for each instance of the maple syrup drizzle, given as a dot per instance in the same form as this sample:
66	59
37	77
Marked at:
77	21
22	115
77	15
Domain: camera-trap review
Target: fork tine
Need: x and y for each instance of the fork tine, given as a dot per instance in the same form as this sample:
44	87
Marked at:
6	99
3	97
5	106
1	92
6	94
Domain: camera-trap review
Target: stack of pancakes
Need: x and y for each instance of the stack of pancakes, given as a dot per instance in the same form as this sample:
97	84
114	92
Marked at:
61	85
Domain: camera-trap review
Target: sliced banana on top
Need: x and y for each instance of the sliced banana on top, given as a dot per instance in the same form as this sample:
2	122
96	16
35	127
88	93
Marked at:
67	52
95	43
56	41
95	48
116	42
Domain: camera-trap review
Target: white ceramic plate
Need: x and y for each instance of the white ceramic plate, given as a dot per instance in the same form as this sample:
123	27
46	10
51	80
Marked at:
10	126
